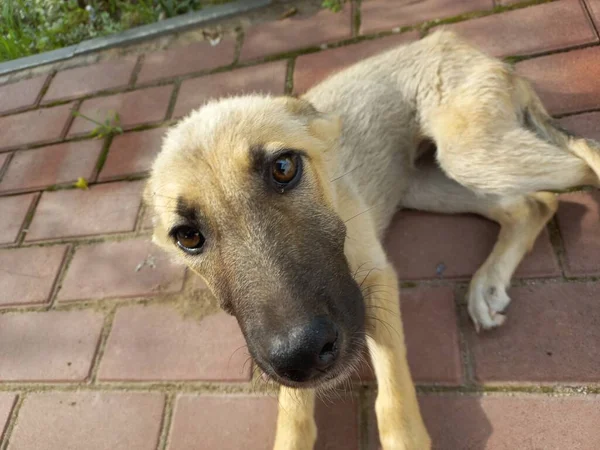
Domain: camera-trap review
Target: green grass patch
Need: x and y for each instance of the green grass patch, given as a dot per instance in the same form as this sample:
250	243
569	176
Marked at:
28	27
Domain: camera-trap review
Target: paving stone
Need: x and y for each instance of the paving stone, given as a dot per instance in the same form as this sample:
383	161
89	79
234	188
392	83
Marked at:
543	28
461	422
101	209
182	60
249	422
13	211
48	166
594	9
80	81
132	153
566	82
545	339
38	126
90	420
313	68
422	245
49	345
7	402
265	78
161	342
431	333
430	326
585	125
144	106
21	94
579	223
296	32
131	268
381	15
27	275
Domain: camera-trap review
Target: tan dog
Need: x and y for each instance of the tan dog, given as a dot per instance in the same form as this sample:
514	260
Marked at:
280	205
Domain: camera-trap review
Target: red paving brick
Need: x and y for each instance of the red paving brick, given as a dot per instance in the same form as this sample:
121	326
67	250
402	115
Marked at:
110	269
585	125
80	81
457	422
13	210
55	164
419	244
27	275
101	209
579	223
89	420
594	8
271	38
131	153
545	28
66	339
431	333
546	338
249	422
266	78
566	82
7	402
187	59
21	94
315	67
381	15
160	343
39	126
139	107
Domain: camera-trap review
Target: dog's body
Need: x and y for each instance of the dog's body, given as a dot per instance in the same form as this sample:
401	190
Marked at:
275	258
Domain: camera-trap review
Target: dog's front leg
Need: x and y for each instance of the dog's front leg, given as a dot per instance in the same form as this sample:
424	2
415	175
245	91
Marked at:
296	428
399	419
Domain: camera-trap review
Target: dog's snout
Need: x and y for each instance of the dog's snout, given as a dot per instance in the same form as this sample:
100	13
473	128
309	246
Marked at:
305	351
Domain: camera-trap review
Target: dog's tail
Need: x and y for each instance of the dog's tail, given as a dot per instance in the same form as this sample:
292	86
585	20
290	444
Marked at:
536	118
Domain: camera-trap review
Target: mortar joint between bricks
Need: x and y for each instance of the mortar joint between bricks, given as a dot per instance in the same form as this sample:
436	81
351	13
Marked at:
28	219
64	266
12	421
167	419
136	70
45	87
106	330
463	321
173	100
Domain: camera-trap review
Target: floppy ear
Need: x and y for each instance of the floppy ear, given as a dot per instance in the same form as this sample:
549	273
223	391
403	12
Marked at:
324	126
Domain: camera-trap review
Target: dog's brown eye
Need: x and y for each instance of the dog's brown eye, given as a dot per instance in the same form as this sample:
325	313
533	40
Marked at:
189	239
286	169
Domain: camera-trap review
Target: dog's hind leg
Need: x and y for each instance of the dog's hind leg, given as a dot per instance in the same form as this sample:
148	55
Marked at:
399	419
296	428
521	219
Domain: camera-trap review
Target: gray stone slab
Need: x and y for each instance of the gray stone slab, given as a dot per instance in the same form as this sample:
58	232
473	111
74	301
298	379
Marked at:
172	25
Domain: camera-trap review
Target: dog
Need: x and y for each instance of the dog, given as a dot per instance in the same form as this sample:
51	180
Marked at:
280	204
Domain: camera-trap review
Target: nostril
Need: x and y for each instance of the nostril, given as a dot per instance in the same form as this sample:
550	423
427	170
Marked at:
328	353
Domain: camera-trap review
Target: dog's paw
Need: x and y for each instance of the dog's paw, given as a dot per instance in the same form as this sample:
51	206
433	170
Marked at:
487	302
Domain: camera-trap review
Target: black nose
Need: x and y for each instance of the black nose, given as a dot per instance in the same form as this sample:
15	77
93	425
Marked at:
305	351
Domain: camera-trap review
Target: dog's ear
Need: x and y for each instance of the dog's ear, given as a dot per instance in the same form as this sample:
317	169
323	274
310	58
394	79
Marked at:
326	127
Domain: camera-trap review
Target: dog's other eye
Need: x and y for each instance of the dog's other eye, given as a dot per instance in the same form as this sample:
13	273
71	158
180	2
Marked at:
189	239
285	170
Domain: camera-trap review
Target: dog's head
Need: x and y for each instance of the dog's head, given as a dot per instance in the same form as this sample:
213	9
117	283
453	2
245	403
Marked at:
241	193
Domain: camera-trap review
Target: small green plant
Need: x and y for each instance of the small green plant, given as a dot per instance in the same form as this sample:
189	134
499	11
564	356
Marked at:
110	126
333	5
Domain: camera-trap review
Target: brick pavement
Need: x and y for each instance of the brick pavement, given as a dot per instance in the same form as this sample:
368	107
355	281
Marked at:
106	344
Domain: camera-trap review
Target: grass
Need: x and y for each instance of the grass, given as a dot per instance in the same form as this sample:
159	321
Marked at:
29	27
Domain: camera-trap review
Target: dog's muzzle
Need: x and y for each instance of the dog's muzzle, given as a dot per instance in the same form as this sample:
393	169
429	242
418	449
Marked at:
305	352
